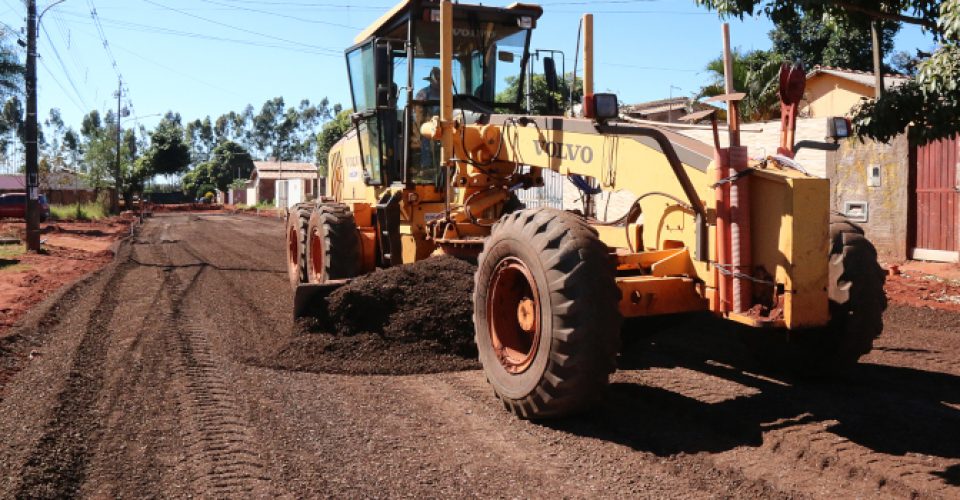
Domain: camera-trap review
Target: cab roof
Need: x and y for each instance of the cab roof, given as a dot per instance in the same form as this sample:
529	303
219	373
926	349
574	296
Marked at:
401	8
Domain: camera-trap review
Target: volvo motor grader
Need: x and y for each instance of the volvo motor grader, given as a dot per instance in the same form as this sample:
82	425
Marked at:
441	143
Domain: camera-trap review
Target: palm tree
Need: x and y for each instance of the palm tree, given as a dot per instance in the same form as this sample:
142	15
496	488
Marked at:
757	74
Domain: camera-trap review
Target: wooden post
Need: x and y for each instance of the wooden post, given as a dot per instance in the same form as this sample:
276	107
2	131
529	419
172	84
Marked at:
877	58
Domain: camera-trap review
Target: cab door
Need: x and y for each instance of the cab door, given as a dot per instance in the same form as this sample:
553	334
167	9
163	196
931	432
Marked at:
375	111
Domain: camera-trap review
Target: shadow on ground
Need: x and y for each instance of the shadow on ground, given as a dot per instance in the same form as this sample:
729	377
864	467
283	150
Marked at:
888	409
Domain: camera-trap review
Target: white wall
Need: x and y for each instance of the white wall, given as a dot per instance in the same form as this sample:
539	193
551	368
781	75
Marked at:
762	139
289	192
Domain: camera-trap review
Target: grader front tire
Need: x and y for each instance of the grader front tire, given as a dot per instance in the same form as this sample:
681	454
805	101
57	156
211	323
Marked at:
546	313
333	244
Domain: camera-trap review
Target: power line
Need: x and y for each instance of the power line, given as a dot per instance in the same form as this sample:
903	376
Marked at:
285	16
103	38
316	5
66	73
62	88
151	2
145	28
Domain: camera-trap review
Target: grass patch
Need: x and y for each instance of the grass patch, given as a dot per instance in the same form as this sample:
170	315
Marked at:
9	258
12	251
87	211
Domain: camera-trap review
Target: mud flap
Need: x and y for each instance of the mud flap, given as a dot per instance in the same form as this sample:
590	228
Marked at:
310	299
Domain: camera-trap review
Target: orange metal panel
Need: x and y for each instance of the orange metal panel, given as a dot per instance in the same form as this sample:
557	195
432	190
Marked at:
650	296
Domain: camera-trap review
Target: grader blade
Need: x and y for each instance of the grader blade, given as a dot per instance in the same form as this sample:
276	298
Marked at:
310	299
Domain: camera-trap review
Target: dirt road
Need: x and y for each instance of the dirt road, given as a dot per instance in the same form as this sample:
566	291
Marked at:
148	380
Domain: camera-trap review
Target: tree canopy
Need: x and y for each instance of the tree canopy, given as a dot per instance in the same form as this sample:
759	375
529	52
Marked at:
830	41
928	106
168	154
923	13
331	133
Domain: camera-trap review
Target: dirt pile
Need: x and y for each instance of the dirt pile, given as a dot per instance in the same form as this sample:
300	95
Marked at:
403	320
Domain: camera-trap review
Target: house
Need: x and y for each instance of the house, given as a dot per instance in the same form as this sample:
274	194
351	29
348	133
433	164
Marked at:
663	110
12	183
835	91
60	187
282	183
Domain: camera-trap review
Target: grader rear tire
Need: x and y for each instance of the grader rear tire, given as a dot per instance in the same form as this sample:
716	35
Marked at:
333	244
857	302
297	220
546	313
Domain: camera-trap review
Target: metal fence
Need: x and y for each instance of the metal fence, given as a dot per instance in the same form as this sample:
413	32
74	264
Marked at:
550	195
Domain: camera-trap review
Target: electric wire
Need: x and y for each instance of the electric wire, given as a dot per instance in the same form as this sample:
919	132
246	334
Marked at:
62	88
63	66
285	16
237	28
103	38
145	28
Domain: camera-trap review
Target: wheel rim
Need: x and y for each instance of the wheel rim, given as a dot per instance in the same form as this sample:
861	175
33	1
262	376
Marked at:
293	252
316	256
513	310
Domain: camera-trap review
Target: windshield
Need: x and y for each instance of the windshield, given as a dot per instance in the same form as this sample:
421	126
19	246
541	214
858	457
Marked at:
487	60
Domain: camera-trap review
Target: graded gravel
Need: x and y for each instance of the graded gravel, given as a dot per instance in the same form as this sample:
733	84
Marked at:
163	376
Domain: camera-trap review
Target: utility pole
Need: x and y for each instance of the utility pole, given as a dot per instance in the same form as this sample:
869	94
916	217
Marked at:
33	170
118	181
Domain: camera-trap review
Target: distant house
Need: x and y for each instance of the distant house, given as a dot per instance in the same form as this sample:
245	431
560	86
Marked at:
835	91
663	110
282	183
12	183
60	188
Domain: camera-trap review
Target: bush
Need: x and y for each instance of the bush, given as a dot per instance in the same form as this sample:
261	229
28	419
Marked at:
86	211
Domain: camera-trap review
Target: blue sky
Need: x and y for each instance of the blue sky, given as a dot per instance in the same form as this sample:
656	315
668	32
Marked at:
208	57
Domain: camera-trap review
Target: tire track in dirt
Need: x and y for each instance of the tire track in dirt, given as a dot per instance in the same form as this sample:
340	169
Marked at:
221	451
58	466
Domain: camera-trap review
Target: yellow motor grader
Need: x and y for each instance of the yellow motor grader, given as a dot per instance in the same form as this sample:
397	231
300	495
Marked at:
441	143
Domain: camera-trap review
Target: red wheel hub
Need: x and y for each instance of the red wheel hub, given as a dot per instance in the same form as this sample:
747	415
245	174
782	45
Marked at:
316	257
513	310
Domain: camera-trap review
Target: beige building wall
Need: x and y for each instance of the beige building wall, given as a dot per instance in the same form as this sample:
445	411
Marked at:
828	95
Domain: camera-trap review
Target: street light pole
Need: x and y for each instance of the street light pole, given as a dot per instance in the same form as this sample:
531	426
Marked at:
33	161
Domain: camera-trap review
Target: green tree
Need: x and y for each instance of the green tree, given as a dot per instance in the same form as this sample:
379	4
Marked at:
830	41
755	73
332	131
541	97
923	13
927	107
11	69
202	138
99	145
168	154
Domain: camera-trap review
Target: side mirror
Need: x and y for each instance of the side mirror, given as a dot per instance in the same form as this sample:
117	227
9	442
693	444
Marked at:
550	73
606	107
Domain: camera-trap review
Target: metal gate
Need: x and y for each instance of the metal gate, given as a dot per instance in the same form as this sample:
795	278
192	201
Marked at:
935	234
550	195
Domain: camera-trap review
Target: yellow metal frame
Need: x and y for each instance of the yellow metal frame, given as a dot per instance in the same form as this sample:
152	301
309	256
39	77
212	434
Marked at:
660	275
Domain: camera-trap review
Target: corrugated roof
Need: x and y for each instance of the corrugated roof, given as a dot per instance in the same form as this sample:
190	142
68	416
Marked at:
890	81
12	182
286	166
283	170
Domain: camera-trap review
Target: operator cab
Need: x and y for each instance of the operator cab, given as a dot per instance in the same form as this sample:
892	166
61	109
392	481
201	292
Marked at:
394	80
